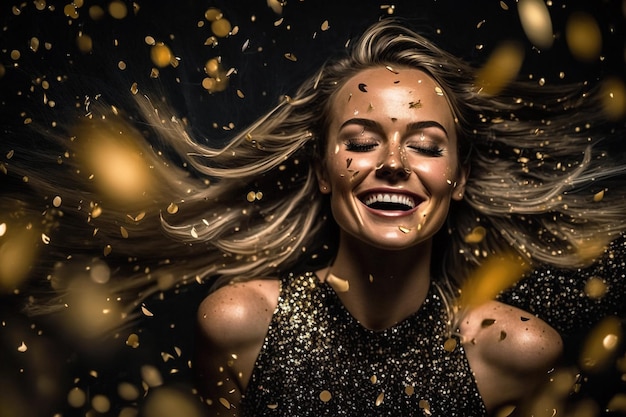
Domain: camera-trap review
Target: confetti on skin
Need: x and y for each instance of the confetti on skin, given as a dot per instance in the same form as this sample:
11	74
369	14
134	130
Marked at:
348	162
363	87
338	284
438	91
487	323
404	229
415	105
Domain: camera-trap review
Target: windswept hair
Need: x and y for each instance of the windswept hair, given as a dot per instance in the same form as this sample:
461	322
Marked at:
544	178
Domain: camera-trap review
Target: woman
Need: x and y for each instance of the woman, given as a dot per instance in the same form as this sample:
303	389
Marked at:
339	228
367	333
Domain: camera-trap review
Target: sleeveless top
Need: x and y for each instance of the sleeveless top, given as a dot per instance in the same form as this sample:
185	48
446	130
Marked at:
318	360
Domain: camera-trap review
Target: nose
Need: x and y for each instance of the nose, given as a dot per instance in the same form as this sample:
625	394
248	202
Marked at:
392	168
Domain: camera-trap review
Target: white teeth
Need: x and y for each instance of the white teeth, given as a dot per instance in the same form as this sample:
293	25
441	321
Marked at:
389	198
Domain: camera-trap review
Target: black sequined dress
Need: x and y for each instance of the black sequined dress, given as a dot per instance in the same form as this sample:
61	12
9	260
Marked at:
317	360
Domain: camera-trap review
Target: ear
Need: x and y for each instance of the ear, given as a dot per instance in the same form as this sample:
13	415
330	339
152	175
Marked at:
459	186
322	177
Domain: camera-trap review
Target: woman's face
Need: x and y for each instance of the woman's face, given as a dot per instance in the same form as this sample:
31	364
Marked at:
391	162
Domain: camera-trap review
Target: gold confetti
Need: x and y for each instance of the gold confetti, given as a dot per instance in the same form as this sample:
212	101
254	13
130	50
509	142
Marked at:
501	68
380	399
134	89
494	275
325	26
123	232
56	201
76	397
536	22
583	36
404	229
45	239
325	396
291	57
613	95
409	390
172	208
504	5
146	312
22	348
601	345
101	404
212	14
338	284
84	43
450	344
118	9
438	91
3	229
161	55
275	5
132	341
598	196
595	288
487	323
476	235
425	405
221	27
107	250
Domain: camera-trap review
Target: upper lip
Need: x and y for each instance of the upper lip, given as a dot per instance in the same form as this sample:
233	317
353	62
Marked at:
386	195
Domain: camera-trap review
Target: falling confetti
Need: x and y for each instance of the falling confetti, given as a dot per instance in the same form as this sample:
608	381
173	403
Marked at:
583	36
501	68
536	22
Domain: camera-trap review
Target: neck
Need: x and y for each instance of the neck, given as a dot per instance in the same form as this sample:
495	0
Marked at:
385	286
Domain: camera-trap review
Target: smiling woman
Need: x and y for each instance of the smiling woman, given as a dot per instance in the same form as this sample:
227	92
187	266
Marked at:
339	233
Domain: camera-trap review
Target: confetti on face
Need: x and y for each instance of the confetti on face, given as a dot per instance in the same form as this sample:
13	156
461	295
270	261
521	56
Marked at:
363	87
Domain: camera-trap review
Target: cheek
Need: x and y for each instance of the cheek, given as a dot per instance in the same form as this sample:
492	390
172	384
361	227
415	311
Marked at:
437	175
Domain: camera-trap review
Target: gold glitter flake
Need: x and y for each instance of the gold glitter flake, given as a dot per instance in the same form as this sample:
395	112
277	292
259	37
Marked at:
379	399
325	396
583	36
221	28
415	104
425	405
450	344
145	311
172	208
338	284
438	91
487	323
476	235
409	390
132	341
118	10
212	14
536	22
501	68
291	57
598	196
595	288
224	403
404	229
161	55
325	26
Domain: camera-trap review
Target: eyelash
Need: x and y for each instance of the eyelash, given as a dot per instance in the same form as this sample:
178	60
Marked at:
428	150
354	146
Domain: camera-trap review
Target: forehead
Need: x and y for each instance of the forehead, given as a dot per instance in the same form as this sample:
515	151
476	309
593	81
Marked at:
393	90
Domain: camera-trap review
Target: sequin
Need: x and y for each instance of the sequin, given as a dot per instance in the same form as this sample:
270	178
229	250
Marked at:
314	345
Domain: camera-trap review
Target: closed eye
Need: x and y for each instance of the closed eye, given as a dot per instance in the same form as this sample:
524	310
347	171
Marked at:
358	146
428	150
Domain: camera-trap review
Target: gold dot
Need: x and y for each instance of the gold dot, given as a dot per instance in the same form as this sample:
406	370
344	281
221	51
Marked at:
70	11
212	14
583	36
212	67
325	396
221	28
84	43
161	55
595	288
450	344
118	9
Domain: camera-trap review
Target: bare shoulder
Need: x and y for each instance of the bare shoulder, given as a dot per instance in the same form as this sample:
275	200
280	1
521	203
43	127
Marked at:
239	312
499	330
509	351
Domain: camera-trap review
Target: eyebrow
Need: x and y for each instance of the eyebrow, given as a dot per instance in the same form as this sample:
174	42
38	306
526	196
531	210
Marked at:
424	124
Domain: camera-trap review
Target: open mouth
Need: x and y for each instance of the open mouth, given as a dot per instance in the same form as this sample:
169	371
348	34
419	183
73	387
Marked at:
384	201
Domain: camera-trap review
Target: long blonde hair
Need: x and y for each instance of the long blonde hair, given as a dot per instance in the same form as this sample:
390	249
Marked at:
252	208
